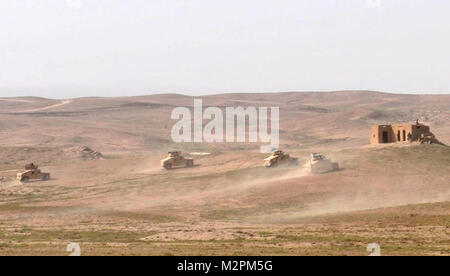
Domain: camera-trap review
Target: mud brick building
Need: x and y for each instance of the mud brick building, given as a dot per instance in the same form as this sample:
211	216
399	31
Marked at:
384	134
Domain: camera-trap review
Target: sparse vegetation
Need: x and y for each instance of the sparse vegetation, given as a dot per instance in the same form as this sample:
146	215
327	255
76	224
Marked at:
126	204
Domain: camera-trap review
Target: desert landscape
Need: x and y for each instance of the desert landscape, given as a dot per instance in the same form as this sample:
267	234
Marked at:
109	193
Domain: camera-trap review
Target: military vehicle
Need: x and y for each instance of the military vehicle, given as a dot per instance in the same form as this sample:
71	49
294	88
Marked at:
318	164
280	158
32	172
428	138
175	159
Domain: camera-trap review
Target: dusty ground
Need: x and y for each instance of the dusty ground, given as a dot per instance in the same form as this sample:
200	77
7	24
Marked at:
125	204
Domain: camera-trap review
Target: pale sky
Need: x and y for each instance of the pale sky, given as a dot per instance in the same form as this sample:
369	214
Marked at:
73	48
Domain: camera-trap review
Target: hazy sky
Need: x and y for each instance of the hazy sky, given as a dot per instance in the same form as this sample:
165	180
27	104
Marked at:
59	48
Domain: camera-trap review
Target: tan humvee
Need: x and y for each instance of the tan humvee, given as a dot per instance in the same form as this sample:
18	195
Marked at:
279	158
427	138
320	164
32	172
175	159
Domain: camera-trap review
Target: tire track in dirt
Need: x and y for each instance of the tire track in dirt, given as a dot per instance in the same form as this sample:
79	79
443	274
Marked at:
62	103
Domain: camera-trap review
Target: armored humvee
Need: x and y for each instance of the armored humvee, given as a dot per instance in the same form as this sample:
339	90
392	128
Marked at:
318	164
175	159
280	158
32	172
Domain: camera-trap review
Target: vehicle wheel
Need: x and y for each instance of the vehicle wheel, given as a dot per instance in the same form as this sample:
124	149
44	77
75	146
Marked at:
25	179
168	166
46	177
190	163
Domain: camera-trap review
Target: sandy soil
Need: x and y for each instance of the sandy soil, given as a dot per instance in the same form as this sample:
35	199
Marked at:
125	203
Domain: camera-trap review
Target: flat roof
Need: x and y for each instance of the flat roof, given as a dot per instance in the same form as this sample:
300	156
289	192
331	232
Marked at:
399	125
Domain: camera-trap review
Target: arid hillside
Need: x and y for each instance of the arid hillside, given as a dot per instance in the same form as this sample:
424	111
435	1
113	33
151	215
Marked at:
307	120
109	193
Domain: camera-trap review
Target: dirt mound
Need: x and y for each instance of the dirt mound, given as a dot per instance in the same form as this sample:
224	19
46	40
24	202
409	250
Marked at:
84	152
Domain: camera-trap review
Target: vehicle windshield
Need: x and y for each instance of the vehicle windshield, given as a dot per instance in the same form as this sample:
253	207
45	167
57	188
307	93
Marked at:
317	156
